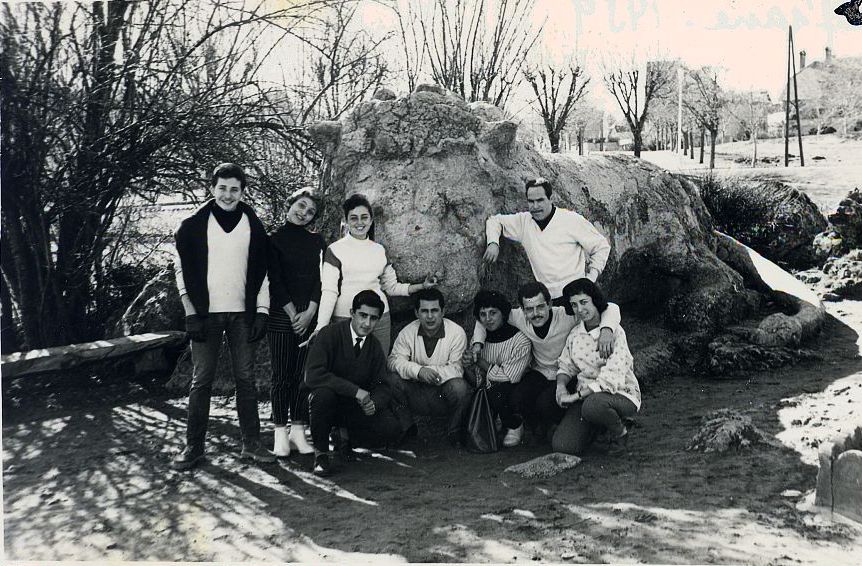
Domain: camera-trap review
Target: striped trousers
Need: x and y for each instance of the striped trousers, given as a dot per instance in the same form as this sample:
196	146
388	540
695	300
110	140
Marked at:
288	391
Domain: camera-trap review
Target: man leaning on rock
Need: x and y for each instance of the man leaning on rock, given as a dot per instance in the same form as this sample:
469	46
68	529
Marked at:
561	244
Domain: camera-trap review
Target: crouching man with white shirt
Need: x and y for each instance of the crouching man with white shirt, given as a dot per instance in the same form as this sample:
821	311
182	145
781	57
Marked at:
426	359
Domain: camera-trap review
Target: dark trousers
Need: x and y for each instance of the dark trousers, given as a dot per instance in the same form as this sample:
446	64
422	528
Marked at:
288	392
450	398
505	404
234	326
529	397
328	409
583	419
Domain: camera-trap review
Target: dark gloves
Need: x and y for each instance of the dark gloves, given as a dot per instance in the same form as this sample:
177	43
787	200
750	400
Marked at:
196	328
258	328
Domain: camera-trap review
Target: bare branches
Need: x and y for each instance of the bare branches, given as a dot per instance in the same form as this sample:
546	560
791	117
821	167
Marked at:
474	48
557	91
634	92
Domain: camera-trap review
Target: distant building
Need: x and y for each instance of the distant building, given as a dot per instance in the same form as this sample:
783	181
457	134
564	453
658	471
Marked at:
816	114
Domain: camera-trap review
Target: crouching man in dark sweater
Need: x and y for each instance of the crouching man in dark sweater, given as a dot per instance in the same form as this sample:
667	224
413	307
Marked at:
346	373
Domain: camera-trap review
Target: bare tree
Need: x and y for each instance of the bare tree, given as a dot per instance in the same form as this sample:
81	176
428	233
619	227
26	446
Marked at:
108	100
557	91
841	92
748	110
474	48
705	99
635	89
346	65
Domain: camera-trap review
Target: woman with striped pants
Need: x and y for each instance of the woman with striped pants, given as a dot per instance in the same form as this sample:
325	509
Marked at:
294	272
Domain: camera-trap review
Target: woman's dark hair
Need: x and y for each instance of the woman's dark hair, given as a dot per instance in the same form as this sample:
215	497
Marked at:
367	298
358	199
495	299
432	294
532	289
539	182
228	171
309	193
589	289
354	200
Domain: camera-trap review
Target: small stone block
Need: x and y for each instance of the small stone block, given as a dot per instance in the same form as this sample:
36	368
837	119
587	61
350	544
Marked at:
823	496
545	466
847	484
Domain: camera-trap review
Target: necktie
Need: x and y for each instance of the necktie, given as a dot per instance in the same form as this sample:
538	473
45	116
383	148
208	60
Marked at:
357	347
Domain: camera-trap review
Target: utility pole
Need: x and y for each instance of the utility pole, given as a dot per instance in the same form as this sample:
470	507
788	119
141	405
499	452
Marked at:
679	77
791	64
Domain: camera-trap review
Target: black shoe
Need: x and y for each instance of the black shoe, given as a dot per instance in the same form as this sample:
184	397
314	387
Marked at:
411	432
619	446
322	466
187	459
454	440
255	451
343	448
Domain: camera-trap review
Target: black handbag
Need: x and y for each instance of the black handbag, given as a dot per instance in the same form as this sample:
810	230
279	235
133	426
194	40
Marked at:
481	434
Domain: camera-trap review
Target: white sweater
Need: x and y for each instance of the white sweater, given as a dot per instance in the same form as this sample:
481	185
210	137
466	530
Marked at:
408	352
227	268
351	266
546	351
558	254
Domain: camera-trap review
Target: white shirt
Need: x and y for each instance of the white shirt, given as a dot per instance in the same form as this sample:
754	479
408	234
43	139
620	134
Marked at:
558	254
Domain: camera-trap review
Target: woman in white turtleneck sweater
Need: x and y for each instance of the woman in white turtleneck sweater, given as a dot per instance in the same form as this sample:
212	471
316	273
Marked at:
355	263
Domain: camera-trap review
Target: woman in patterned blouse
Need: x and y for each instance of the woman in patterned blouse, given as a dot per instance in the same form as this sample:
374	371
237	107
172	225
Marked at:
605	391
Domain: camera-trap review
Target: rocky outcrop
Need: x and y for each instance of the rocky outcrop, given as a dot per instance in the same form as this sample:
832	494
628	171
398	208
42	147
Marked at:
726	430
840	278
847	220
778	221
157	307
435	167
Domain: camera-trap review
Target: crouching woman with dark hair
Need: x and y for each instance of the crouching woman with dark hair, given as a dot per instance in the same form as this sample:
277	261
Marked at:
606	391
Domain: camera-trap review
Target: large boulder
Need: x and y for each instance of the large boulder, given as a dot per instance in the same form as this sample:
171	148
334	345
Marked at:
775	219
435	167
157	307
847	220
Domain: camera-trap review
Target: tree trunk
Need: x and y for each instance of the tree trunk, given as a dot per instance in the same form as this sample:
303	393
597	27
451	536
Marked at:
580	142
685	144
691	144
712	135
702	140
754	159
638	142
554	139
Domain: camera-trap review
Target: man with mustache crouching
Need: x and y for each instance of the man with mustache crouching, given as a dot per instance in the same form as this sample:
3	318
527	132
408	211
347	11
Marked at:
547	327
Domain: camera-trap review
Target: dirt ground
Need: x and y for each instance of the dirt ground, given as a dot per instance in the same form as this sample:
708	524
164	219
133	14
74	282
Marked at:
86	477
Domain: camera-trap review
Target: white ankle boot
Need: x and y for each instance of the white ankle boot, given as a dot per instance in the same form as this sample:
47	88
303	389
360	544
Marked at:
297	439
282	442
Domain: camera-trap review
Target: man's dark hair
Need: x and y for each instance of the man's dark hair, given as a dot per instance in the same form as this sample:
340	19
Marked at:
539	182
532	289
485	299
589	289
431	294
228	171
368	298
355	200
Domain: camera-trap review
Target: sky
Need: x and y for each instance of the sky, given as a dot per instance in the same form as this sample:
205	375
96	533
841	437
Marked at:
747	38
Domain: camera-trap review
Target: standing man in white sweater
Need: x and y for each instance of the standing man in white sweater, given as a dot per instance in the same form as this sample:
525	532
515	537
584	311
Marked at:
221	270
426	358
561	244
